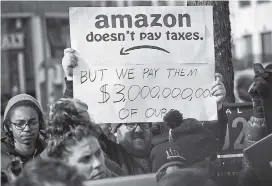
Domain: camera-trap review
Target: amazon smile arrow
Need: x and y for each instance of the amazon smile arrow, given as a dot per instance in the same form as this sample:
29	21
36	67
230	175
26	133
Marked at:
126	51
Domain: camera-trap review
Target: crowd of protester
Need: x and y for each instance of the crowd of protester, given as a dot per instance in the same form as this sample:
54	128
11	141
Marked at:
70	148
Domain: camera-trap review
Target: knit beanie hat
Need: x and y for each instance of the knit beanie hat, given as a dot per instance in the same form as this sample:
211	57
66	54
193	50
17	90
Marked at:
192	138
19	98
165	155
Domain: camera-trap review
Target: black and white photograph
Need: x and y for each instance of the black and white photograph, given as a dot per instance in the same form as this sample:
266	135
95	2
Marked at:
130	92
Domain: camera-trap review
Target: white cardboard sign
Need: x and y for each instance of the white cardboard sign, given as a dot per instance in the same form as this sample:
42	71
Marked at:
163	60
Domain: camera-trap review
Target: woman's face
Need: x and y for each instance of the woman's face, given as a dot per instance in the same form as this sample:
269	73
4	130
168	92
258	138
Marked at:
24	125
87	156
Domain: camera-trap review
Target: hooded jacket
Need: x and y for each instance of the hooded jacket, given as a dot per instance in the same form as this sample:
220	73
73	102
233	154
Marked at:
8	152
7	149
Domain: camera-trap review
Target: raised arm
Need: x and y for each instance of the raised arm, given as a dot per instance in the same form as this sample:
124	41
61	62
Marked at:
218	127
68	93
69	62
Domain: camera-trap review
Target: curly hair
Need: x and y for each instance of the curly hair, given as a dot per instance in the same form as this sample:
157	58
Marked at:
58	147
66	127
173	118
48	172
6	123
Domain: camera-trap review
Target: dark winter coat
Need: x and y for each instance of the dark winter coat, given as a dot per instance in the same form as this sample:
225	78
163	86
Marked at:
13	162
8	152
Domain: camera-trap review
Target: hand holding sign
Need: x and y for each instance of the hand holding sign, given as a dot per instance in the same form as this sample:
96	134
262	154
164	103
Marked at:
219	91
69	62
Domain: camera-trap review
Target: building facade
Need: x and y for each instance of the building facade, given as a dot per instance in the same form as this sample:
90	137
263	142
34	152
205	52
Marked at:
33	37
251	32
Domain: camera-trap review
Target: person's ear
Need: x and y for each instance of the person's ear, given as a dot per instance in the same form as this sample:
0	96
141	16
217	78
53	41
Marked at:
8	127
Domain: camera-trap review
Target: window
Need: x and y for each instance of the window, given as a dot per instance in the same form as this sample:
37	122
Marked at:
244	3
162	3
141	3
58	36
111	3
248	45
247	48
266	47
17	67
260	2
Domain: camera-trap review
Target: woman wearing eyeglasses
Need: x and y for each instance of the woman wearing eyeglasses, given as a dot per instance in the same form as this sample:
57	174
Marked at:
22	128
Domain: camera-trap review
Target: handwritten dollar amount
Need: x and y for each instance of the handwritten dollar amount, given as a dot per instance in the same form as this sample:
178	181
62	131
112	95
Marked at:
135	92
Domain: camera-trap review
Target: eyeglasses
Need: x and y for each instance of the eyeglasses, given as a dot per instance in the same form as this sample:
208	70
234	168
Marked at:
21	125
131	126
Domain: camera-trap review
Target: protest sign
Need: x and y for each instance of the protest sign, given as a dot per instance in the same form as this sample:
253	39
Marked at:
238	116
145	92
136	78
229	163
259	156
122	35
